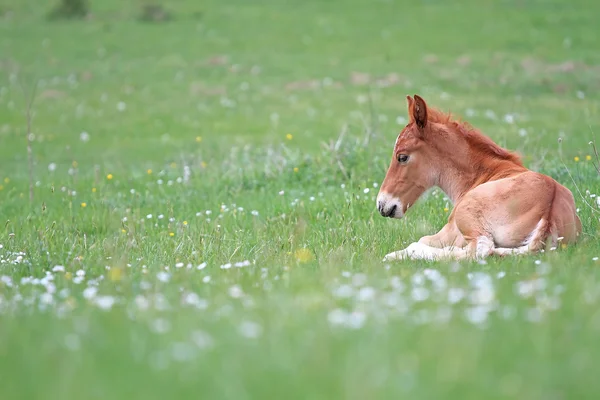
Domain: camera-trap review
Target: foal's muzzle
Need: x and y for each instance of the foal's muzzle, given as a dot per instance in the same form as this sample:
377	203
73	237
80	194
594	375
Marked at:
389	206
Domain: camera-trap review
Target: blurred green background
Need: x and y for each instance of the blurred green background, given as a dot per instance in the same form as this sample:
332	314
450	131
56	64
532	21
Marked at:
203	220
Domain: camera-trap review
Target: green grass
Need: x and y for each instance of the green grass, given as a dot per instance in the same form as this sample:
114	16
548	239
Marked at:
204	174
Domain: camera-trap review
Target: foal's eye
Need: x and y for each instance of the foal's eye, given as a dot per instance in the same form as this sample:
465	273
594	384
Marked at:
402	158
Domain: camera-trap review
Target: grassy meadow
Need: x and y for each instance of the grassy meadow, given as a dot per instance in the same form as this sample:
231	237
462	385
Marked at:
203	220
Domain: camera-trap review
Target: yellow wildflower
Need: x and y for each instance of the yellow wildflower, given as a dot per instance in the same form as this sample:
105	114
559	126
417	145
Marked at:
75	164
185	222
115	274
83	205
6	180
588	157
68	275
446	209
203	164
93	190
296	169
198	139
304	255
576	159
171	234
149	172
109	176
289	136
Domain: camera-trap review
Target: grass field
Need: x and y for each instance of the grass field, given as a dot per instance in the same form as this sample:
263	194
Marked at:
203	222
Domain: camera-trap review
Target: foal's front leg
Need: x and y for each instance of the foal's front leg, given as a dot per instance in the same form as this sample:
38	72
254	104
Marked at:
448	236
447	243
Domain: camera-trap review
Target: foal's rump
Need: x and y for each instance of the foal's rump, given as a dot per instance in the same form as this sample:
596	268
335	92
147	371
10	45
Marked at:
513	211
564	220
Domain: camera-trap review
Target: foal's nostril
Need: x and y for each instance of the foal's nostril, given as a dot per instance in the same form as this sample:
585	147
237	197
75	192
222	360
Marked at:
392	211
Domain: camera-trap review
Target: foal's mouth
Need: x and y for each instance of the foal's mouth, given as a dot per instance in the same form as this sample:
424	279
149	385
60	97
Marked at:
389	206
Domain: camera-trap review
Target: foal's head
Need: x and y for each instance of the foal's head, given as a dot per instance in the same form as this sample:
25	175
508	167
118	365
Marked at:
414	163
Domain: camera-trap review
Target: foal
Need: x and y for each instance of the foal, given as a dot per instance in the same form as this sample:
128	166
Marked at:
500	207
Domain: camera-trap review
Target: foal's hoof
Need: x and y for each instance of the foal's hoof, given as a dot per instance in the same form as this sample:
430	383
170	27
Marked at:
415	251
397	255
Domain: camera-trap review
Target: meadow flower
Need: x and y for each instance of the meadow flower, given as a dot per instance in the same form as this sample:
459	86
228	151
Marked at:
509	118
194	300
115	274
83	204
477	314
343	291
109	176
121	106
58	268
337	317
419	294
236	292
105	302
588	157
141	302
161	325
163	276
84	136
304	255
356	319
289	136
171	234
455	295
241	264
90	292
366	293
202	339
250	330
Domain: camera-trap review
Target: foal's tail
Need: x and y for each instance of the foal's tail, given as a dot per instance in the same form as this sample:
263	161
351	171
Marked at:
544	235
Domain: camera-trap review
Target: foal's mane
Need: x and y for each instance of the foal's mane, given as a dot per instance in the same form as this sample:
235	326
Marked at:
474	137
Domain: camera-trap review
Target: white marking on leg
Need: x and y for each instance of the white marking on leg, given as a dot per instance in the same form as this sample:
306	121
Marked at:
485	247
420	251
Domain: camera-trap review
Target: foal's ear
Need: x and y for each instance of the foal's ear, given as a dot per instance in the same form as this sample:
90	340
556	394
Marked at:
419	112
411	104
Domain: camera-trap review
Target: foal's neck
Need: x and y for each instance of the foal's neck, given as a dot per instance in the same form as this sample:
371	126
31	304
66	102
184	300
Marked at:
458	177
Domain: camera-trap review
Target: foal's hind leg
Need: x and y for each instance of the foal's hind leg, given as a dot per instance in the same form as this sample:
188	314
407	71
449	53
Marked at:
535	242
